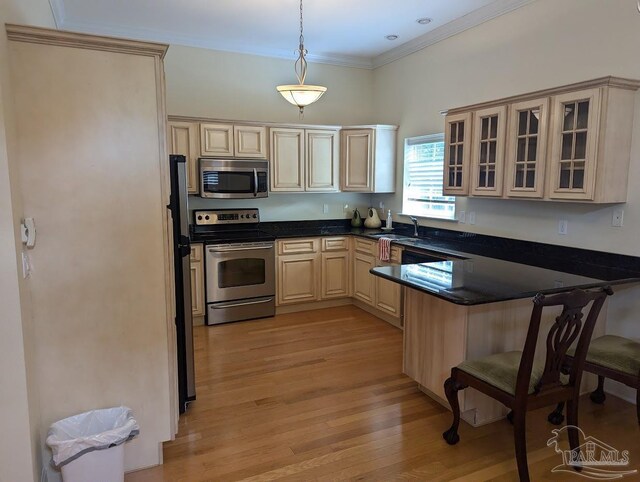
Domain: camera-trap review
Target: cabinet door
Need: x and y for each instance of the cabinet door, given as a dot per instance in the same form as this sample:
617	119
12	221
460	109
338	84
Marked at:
197	281
250	141
287	159
216	140
335	275
388	296
574	138
357	160
363	281
526	154
298	277
183	139
457	154
487	155
322	160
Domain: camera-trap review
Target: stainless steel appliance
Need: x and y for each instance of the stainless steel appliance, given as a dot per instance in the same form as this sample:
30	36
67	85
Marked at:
239	265
234	178
181	251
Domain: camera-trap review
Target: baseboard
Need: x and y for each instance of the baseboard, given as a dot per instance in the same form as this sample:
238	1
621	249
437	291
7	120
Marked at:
377	313
198	320
316	305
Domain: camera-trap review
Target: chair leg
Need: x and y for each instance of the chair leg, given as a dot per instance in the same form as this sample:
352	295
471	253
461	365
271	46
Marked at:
572	424
556	417
638	404
598	396
520	439
451	388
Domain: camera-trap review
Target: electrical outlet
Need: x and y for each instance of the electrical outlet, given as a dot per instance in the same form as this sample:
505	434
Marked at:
618	218
325	208
345	209
381	204
563	226
472	217
461	217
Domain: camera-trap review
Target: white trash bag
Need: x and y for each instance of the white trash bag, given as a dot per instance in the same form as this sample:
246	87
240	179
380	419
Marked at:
75	436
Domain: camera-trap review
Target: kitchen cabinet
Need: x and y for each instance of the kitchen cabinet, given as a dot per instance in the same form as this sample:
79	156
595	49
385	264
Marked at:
487	153
526	152
384	295
197	280
184	139
335	268
367	157
297	271
233	140
457	157
303	160
569	143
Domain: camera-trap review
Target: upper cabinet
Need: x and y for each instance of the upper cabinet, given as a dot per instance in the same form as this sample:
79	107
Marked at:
457	154
303	160
367	155
526	157
570	143
233	140
487	154
183	139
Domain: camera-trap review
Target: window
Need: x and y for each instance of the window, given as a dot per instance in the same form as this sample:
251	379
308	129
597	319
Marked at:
423	178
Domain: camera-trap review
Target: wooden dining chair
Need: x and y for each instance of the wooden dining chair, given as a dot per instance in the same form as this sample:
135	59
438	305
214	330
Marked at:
522	383
613	357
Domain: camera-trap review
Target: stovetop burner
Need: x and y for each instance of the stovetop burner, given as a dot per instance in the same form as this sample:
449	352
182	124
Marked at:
217	226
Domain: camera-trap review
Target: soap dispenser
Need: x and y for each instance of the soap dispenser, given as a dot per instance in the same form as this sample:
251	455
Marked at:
389	225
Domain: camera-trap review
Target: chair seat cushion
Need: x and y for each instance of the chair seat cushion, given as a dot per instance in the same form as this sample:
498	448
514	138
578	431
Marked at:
615	352
501	370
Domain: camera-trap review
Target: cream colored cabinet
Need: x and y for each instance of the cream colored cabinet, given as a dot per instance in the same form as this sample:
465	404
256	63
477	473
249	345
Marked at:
183	139
303	160
457	157
377	292
335	268
297	271
233	140
197	280
487	152
367	156
526	153
569	143
590	142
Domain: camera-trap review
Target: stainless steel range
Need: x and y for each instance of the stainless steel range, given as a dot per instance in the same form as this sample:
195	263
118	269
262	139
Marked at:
239	265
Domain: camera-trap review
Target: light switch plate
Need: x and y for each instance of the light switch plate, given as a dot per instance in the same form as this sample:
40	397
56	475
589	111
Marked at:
563	226
618	218
472	217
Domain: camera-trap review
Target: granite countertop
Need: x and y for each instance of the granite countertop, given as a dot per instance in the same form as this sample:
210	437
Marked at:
479	268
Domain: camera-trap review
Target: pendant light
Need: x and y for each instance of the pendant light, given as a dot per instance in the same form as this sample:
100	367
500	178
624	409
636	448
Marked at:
300	94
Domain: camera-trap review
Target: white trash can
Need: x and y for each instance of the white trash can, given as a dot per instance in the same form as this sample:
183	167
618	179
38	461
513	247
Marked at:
89	446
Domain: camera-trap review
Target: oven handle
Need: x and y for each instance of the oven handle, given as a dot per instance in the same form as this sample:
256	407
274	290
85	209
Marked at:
222	306
218	249
255	182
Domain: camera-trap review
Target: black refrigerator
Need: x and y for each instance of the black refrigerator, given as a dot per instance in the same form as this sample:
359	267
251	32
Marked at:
181	253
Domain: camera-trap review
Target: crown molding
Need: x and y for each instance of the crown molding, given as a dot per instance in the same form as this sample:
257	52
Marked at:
472	19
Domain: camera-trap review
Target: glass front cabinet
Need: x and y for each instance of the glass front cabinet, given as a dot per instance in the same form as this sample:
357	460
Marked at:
569	143
456	155
526	148
487	155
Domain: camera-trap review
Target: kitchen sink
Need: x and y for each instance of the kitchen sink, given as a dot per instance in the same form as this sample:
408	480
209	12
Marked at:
391	236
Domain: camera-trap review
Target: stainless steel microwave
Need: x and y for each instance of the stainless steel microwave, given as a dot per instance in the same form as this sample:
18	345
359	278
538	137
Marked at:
234	178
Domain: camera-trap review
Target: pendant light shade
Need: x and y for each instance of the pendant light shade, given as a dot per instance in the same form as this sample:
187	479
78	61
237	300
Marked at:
299	94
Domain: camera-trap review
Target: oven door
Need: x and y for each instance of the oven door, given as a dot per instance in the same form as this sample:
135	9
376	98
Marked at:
240	271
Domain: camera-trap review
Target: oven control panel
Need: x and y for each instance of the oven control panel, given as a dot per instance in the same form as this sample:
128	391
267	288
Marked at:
226	216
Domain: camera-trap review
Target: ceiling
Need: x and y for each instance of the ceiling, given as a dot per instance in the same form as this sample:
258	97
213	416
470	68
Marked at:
341	32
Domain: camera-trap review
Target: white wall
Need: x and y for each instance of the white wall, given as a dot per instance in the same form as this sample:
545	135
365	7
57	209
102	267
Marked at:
19	408
222	85
545	44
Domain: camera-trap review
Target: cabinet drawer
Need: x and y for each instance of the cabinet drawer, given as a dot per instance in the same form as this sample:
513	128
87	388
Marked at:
396	254
196	252
298	246
364	246
335	244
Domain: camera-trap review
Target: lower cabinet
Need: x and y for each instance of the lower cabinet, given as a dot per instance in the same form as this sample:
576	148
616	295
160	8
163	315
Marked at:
297	278
388	295
197	280
335	275
363	281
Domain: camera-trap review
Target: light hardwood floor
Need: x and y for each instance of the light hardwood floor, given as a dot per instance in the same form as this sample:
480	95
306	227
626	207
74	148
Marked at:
320	396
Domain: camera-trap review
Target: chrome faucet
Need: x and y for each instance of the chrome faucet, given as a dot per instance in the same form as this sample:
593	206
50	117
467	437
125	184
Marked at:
414	220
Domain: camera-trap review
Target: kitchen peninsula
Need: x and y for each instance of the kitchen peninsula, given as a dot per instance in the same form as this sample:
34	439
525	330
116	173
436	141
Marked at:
469	305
